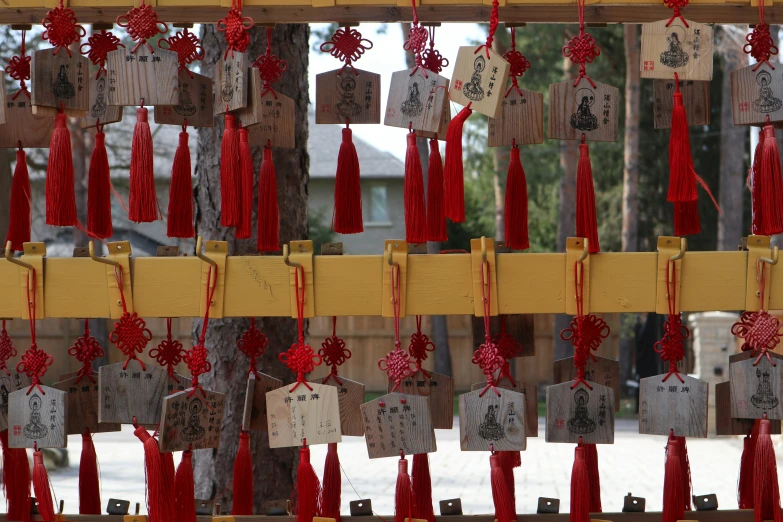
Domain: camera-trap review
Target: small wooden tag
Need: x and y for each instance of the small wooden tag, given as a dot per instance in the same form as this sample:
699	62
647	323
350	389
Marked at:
83	406
274	121
530	392
479	80
602	370
580	412
695	98
33	131
681	49
725	424
348	96
439	388
492	419
143	75
445	119
395	422
756	390
350	396
574	111
195	420
416	100
37	418
232	82
254	415
756	95
100	110
8	385
673	405
520	120
60	80
194	103
303	414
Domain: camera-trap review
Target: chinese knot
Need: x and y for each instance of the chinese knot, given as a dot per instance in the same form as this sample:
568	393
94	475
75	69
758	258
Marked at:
34	363
347	45
169	353
431	58
761	332
253	344
419	346
7	349
86	349
301	359
269	65
142	24
196	359
760	43
334	353
61	28
672	344
585	333
186	45
131	336
489	359
98	47
236	29
518	64
19	68
397	366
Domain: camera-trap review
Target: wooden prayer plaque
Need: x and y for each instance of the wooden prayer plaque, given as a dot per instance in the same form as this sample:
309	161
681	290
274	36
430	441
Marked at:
574	111
725	424
416	100
33	131
756	95
37	418
194	103
439	388
99	109
350	396
82	400
580	412
686	51
756	390
602	370
8	385
479	80
231	82
397	421
60	81
520	120
695	98
529	391
273	121
254	415
445	119
521	327
195	420
673	405
142	75
348	96
492	419
293	416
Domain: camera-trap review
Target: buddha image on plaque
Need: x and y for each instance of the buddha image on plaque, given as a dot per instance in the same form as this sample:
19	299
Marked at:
35	428
184	106
472	90
764	398
98	109
62	87
347	105
583	119
766	102
413	106
581	423
675	56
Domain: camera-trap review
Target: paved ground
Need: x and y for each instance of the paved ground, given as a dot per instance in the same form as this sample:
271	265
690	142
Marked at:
635	463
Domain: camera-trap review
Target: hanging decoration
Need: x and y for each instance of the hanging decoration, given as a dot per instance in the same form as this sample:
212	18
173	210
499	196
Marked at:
695	99
169	354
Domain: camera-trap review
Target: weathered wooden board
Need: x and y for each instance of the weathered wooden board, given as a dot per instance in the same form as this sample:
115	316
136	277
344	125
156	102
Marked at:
254	415
574	111
194	102
602	370
100	110
492	420
37	418
756	390
725	424
8	385
60	81
350	395
580	412
686	51
439	388
24	126
521	327
756	95
143	75
269	117
695	99
479	79
232	82
673	405
348	97
416	100
293	416
83	406
530	392
191	421
520	120
395	422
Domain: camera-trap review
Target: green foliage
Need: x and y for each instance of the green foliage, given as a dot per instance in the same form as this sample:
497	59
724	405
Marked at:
319	230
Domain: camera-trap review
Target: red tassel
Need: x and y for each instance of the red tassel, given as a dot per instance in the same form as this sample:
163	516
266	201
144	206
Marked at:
591	456
515	214
245	226
89	489
229	173
685	465
20	208
436	218
142	200
60	193
169	476
755	194
682	176
99	223
268	215
673	489
504	509
330	500
686	218
308	489
745	482
586	220
403	494
453	171
181	192
507	463
43	494
184	489
347	216
766	493
415	209
243	478
422	488
768	187
580	487
153	469
16	480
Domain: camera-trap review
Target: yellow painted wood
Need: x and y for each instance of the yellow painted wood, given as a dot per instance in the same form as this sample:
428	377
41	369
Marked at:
257	286
576	247
713	281
668	247
11	303
33	255
77	287
531	283
134	518
323	3
620	282
217	251
482	255
776	286
120	252
301	254
347	285
441	282
758	246
398	250
168	286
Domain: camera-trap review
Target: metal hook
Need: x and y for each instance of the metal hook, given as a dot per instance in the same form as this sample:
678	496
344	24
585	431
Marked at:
389	259
201	255
585	251
681	253
287	261
112	262
9	256
774	260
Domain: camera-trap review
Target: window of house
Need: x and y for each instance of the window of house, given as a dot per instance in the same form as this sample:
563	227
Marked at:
379	209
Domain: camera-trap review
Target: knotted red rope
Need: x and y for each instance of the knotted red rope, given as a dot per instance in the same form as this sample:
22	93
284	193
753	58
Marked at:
98	47
760	43
676	5
431	58
300	358
253	344
334	353
186	45
236	28
347	45
397	363
19	68
672	344
196	357
86	349
142	24
760	330
508	348
419	346
130	333
517	62
488	357
7	349
582	48
61	29
493	26
34	361
417	41
269	66
169	353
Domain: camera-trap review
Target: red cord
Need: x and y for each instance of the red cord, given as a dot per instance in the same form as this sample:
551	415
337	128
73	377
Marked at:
582	48
397	363
300	358
34	361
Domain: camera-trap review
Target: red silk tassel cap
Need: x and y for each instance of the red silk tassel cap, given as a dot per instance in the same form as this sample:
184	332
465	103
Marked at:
243	478
415	208
421	486
347	215
268	213
766	493
43	494
229	173
580	488
768	187
586	219
20	215
181	192
245	226
673	501
453	172
501	497
99	222
515	207
89	487
403	493
332	484
308	489
60	191
436	212
142	200
184	489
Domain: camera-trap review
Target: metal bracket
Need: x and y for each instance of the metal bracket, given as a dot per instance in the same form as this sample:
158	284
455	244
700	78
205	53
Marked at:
117	506
332	249
118	255
395	254
482	254
32	258
167	251
577	251
548	506
301	255
452	506
706	502
671	249
361	508
215	254
758	248
204	507
633	504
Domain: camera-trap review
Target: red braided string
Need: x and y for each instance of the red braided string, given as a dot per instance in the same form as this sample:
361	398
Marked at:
253	344
676	5
61	29
19	68
7	349
347	45
509	348
419	346
493	26
517	62
269	66
672	344
34	361
582	48
417	40
130	333
86	349
169	353
300	358
760	330
142	24
487	357
431	58
334	353
186	45
97	48
196	357
236	29
397	363
760	44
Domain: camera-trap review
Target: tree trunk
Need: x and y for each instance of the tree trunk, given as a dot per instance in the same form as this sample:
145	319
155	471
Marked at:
273	470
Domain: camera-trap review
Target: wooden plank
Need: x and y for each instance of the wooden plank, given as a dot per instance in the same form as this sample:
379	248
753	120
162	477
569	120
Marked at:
492	421
702	292
574	111
23	126
397	422
353	277
99	109
684	48
37	418
602	370
673	405
191	421
530	391
442	282
479	79
232	82
82	397
756	390
254	415
348	97
294	416
580	412
622	282
60	80
756	93
76	287
179	278
416	100
520	120
519	293
695	99
8	385
134	77
439	388
725	424
194	102
350	396
258	287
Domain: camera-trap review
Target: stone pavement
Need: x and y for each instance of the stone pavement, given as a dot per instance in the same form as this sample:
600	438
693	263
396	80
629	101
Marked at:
635	463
